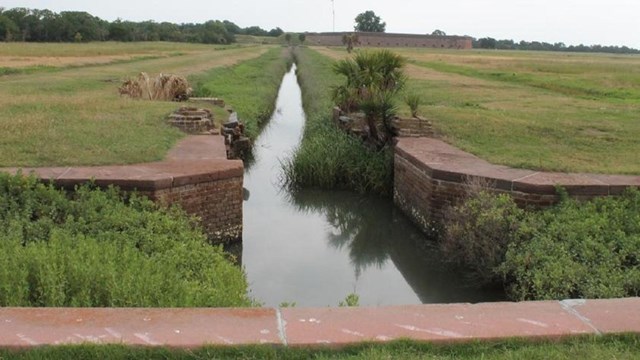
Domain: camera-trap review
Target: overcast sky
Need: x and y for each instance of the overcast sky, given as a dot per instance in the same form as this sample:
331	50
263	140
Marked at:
611	22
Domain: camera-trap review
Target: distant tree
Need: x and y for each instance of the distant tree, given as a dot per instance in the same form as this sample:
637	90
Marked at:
368	21
275	32
287	37
255	31
231	27
487	43
302	38
8	29
438	33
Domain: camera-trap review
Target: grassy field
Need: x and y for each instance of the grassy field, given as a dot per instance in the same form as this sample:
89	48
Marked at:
536	110
74	115
250	88
608	347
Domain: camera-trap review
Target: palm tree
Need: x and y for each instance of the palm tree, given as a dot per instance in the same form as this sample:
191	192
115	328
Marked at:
373	79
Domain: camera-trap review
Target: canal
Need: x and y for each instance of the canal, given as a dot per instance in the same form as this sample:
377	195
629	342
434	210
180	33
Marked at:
313	248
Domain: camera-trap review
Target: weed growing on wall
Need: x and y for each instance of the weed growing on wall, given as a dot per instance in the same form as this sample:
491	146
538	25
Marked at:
95	248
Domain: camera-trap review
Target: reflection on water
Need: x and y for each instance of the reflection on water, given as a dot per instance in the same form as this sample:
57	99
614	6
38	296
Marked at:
315	247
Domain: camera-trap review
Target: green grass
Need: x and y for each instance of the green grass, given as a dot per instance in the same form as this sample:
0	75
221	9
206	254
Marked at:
327	157
618	347
76	117
250	88
535	110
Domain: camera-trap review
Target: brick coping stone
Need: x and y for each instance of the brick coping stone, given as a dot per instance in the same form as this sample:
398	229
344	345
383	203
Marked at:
194	159
196	327
444	162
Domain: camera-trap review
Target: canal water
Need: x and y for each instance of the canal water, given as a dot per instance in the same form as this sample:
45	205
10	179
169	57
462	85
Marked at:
313	248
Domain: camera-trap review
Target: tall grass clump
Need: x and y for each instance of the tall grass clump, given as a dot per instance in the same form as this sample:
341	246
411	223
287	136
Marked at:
250	88
163	87
328	157
95	248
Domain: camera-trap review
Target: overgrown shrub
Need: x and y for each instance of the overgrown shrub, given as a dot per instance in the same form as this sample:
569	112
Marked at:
578	249
96	248
478	231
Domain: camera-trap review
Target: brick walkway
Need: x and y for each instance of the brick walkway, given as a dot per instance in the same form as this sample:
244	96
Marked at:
189	328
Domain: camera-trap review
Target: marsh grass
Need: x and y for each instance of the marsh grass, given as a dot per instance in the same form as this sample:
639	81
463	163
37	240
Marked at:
542	111
76	117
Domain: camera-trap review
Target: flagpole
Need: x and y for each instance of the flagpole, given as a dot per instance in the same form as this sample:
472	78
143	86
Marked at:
333	10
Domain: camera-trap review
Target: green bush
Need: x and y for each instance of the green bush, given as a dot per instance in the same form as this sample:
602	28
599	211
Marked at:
477	233
95	248
578	250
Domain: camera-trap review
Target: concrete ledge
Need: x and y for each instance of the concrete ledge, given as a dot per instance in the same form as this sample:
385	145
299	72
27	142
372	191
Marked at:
190	328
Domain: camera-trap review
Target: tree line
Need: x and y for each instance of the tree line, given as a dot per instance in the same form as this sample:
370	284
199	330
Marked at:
491	43
34	25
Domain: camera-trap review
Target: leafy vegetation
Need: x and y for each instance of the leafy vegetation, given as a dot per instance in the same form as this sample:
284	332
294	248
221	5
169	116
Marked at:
478	232
572	250
578	250
94	248
328	157
619	347
250	88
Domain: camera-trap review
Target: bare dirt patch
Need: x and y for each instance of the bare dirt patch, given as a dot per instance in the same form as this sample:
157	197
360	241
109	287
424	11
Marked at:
19	62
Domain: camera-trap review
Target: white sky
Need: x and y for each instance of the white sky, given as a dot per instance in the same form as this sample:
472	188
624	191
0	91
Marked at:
612	22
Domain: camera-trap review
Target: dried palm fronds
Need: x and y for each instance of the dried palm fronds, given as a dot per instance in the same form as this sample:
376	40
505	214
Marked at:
163	87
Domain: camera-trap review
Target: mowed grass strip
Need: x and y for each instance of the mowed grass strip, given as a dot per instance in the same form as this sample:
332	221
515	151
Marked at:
620	347
559	112
76	116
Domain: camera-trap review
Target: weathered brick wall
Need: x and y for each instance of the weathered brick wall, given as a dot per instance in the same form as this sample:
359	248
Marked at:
424	198
392	40
218	205
430	175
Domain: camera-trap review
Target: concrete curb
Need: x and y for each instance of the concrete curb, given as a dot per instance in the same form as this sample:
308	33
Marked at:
191	328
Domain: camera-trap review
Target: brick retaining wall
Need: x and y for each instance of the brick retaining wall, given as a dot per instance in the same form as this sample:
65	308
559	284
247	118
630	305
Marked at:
430	174
195	175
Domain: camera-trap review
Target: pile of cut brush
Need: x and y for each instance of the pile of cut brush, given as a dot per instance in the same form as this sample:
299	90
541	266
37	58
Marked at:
163	87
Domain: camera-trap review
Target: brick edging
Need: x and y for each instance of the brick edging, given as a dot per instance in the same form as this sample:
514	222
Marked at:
195	174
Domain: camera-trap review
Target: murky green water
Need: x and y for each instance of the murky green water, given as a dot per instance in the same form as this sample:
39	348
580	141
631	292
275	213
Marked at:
316	247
